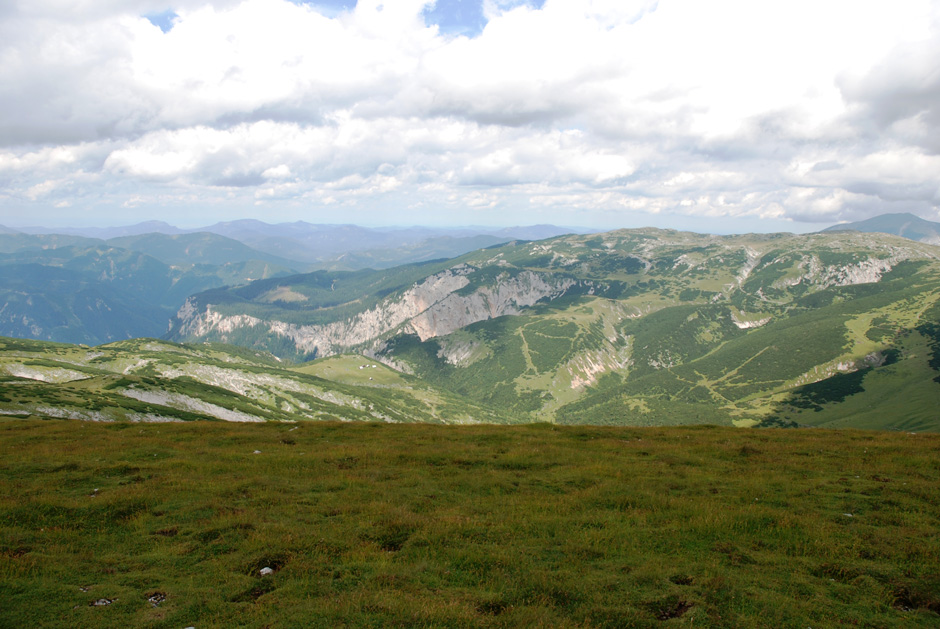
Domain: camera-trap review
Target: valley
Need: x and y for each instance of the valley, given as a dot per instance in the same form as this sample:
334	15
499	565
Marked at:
641	327
636	327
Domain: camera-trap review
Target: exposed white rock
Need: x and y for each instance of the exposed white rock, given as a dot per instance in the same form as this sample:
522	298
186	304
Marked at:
841	365
507	297
753	259
187	403
866	271
253	385
137	365
459	353
745	324
429	309
150	418
71	413
43	374
585	368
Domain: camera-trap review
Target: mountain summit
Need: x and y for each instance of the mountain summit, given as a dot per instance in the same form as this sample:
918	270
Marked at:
904	225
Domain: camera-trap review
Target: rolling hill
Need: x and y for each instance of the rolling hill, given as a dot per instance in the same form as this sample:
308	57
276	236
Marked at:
146	380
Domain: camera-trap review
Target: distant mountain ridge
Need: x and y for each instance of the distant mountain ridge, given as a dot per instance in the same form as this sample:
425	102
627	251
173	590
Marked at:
904	225
323	243
189	249
104	233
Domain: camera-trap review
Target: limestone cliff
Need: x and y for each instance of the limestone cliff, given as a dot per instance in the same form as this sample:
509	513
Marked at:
433	307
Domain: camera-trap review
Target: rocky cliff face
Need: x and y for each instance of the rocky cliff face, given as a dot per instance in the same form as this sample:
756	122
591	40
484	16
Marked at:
433	307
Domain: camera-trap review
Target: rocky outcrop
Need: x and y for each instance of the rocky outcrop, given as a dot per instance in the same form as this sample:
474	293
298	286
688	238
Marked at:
743	322
865	271
433	307
507	297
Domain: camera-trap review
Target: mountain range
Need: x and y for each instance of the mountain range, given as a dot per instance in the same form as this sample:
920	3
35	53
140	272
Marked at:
331	245
638	327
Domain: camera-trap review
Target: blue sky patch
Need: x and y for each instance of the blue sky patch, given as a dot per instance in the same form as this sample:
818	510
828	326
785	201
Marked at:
452	17
329	8
162	20
457	17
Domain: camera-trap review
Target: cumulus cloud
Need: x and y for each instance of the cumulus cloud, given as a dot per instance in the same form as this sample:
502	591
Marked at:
587	110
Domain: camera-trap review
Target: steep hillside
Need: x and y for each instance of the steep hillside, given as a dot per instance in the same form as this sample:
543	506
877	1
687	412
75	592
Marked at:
146	380
634	326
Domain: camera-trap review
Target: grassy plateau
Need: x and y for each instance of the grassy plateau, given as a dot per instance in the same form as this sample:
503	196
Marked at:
381	525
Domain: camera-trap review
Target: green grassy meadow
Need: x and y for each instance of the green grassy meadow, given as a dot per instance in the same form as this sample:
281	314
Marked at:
380	525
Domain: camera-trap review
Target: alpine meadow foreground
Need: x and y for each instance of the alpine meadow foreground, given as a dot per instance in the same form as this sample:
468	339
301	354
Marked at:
368	524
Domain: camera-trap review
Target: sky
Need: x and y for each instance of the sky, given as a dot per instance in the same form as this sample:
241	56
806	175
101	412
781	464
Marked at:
721	116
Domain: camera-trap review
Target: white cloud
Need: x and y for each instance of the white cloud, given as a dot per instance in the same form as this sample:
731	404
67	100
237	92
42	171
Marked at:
800	110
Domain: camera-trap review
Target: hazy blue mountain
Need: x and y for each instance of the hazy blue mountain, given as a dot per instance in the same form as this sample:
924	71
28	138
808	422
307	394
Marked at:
105	233
904	225
98	293
186	250
430	249
18	241
299	243
61	304
537	232
85	295
342	246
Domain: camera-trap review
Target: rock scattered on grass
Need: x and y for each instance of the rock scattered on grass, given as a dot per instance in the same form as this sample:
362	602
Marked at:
156	598
101	602
266	571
